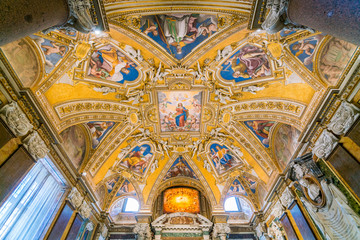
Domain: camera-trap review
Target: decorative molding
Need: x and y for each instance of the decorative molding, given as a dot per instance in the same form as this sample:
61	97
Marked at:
70	109
280	106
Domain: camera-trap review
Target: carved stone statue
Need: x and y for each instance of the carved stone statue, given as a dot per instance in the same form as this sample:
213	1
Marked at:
252	89
135	99
36	146
299	171
164	146
215	133
325	144
336	219
104	90
224	53
122	154
207	166
15	119
133	53
143	231
80	18
312	189
194	147
344	117
144	133
154	166
222	97
237	150
199	74
89	226
159	75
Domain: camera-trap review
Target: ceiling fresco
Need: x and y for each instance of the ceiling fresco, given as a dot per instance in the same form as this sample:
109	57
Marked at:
179	94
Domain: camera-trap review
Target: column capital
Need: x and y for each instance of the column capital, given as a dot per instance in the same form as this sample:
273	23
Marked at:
85	16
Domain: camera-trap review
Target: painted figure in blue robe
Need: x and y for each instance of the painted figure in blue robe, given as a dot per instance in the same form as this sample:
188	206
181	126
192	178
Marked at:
221	157
181	115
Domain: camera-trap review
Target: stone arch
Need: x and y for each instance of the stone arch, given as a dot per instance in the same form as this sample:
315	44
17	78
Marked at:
161	185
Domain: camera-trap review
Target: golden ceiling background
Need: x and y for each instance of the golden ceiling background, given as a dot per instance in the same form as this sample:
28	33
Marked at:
181	95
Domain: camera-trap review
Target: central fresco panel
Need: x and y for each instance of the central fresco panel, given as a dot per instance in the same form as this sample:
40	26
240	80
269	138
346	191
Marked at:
180	110
179	33
181	200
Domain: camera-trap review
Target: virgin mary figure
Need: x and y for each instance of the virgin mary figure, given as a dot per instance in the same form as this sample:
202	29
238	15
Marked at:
181	115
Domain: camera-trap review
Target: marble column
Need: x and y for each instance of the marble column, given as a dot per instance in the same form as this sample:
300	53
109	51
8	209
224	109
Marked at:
21	18
143	231
157	233
333	17
206	233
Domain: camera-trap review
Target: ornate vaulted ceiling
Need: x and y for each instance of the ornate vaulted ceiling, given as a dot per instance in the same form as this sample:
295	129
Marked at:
179	93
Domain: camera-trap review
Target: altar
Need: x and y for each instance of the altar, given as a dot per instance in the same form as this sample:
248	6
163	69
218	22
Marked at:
181	226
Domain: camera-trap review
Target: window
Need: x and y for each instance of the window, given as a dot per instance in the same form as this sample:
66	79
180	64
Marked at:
131	205
125	205
238	204
29	208
232	204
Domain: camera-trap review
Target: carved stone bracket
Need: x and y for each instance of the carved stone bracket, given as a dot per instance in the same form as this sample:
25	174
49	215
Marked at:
143	231
343	118
15	119
36	146
287	197
325	144
85	210
277	210
75	197
221	230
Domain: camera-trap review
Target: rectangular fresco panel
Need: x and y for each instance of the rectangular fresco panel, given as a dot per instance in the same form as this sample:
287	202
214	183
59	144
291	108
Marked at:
180	110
